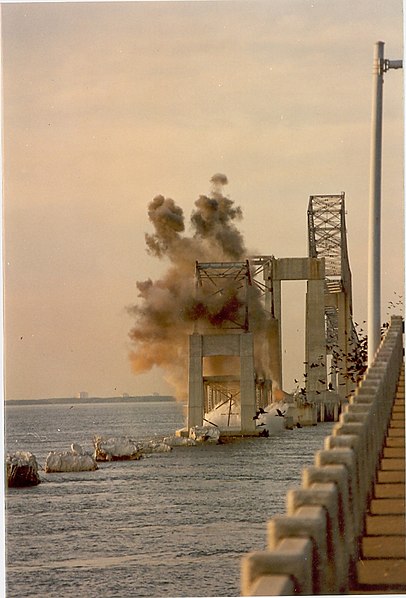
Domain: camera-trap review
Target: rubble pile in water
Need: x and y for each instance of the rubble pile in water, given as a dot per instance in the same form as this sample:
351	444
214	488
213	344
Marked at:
116	449
204	434
124	448
74	460
22	470
155	446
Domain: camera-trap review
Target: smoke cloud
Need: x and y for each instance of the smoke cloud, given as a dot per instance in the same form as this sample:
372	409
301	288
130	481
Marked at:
167	308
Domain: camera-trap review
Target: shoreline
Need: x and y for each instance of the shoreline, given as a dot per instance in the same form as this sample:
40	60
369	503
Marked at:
83	401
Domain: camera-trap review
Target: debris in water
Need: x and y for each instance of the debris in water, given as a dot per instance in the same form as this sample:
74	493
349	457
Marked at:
22	470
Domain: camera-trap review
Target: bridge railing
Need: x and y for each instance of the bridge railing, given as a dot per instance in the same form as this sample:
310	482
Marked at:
313	548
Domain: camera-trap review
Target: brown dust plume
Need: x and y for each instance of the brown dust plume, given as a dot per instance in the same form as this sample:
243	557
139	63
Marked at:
167	308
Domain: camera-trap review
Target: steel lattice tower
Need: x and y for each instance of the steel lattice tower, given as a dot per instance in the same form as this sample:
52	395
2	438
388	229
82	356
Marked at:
328	239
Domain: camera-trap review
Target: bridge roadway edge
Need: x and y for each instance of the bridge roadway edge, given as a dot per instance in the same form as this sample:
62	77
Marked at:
382	564
337	510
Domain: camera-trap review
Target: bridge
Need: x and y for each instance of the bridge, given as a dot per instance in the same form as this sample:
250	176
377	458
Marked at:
328	239
241	309
344	527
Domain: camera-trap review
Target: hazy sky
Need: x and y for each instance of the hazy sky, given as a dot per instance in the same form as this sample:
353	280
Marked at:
107	105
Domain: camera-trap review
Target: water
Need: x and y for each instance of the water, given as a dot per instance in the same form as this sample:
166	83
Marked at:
172	524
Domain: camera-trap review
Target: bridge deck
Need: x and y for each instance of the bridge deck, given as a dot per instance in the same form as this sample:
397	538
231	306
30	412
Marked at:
382	565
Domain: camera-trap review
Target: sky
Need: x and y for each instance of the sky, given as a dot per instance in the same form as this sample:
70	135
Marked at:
106	105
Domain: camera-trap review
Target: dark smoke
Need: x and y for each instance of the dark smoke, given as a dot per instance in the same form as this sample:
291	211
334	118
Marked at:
167	308
168	221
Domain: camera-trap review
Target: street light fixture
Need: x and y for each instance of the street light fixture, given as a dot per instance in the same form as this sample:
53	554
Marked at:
381	66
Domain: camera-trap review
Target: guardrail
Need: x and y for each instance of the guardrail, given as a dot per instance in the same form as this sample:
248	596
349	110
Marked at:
313	549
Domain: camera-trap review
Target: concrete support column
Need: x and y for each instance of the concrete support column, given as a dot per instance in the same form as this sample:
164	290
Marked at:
268	285
247	382
277	305
344	327
277	302
322	412
195	411
277	332
334	374
275	352
315	340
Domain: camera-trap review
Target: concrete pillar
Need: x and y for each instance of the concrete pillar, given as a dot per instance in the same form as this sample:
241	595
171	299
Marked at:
315	340
275	352
195	412
276	327
322	412
334	375
278	315
344	331
247	382
268	392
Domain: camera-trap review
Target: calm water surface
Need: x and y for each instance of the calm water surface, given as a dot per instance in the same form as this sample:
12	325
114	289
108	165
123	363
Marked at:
172	524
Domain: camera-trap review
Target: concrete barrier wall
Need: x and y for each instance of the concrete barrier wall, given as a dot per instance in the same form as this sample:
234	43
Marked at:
313	548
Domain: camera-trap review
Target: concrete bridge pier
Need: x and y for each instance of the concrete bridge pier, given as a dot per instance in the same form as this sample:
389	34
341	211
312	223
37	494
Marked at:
312	270
275	352
247	382
206	345
195	412
316	382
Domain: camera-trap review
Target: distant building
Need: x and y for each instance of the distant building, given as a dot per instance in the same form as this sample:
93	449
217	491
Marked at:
125	394
83	395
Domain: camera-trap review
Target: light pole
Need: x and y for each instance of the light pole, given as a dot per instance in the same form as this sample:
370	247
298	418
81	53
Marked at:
381	66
